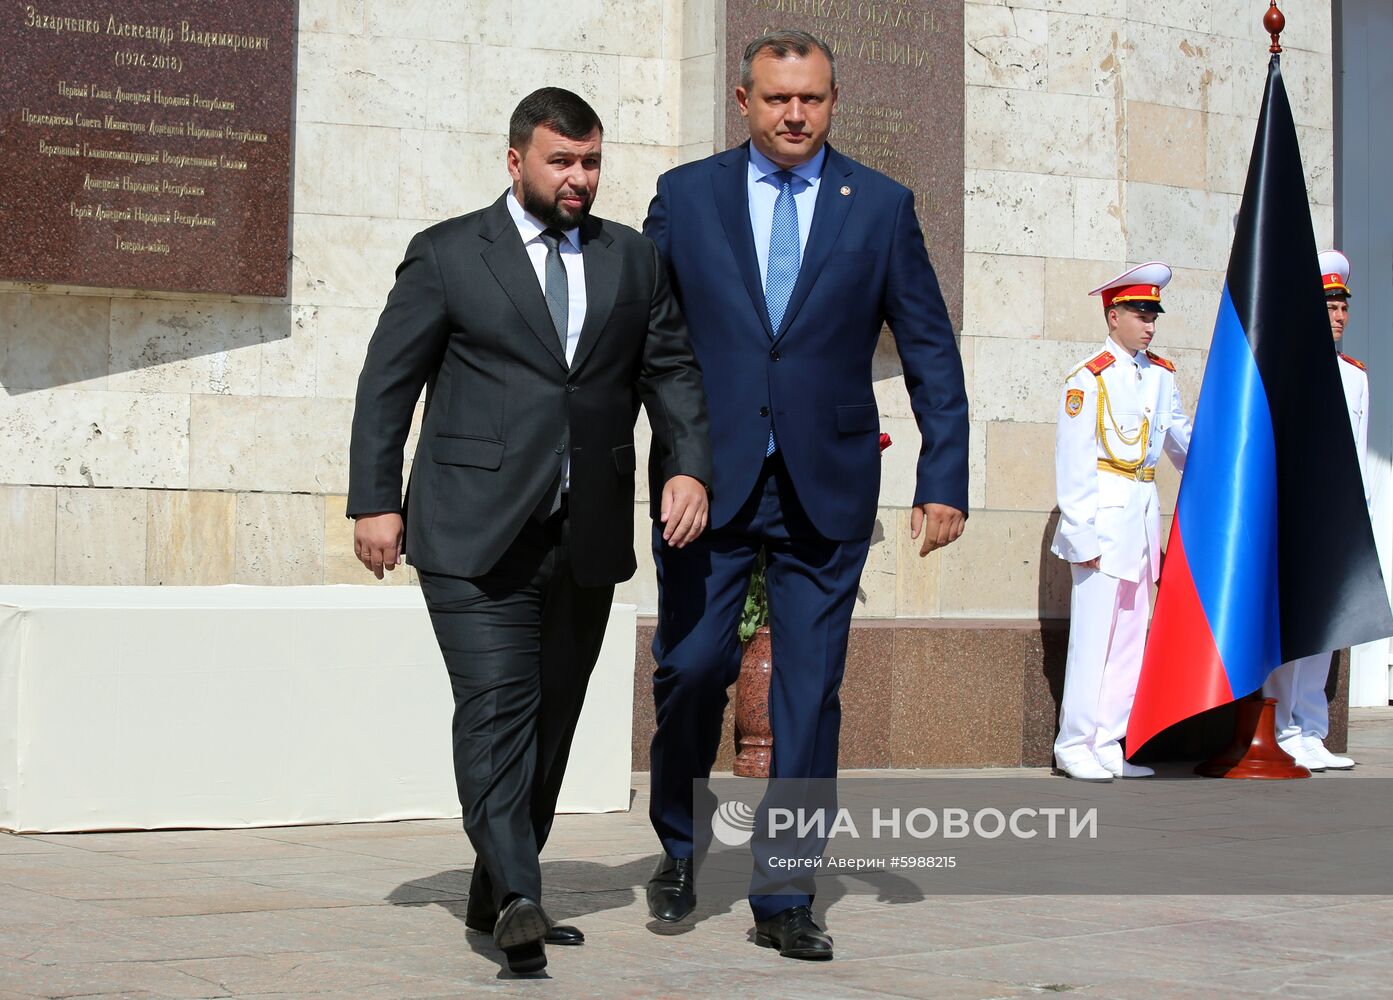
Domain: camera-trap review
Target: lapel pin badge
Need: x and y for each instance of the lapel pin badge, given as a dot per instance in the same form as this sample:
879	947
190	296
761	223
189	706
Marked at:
845	189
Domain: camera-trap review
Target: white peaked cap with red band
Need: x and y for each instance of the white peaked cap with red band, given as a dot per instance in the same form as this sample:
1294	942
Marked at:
1140	287
1334	273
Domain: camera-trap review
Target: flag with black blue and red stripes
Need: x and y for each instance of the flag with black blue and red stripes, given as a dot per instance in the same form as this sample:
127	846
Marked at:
1271	554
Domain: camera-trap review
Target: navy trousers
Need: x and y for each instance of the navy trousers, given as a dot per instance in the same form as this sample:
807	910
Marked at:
812	583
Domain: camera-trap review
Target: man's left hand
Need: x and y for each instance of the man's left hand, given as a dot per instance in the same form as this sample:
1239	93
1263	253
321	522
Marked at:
938	523
684	510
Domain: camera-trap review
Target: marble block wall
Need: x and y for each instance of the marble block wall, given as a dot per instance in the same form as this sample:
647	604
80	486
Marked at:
1098	133
1101	133
202	439
167	438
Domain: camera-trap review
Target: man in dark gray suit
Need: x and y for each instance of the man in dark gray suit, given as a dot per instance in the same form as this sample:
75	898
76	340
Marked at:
536	329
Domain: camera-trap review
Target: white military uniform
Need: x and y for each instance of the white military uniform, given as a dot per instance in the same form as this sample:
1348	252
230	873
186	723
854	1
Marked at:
1303	712
1117	413
1355	380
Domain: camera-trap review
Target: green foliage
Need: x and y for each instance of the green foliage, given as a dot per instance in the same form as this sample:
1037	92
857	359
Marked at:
756	612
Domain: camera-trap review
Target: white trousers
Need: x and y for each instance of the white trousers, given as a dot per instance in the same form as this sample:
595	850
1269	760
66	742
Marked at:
1107	635
1299	687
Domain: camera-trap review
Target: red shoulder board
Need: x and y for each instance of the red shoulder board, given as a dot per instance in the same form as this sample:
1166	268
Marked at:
1358	364
1156	359
1102	361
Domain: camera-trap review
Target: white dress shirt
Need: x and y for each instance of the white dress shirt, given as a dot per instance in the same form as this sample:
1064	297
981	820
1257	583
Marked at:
763	190
530	228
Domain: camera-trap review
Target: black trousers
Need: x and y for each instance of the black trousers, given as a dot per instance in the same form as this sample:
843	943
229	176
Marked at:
520	643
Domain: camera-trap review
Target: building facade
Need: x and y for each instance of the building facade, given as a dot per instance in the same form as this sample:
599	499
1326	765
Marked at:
194	439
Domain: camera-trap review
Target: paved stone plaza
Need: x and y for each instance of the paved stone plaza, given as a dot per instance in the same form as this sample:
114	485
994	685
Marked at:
376	911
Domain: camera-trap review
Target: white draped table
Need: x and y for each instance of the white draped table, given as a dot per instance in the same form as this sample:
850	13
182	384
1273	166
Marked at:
148	707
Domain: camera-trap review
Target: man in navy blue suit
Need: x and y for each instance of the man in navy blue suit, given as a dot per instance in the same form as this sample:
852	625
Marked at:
787	257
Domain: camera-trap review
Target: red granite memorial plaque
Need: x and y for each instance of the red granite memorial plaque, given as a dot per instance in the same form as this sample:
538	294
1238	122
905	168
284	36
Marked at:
900	110
146	143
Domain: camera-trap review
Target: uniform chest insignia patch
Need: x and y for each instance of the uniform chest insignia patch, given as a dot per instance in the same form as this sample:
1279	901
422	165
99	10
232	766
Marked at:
1156	359
1100	363
1073	402
1358	364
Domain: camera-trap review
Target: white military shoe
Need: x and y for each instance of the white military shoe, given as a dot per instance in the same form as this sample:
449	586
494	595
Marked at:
1295	748
1315	747
1119	767
1084	770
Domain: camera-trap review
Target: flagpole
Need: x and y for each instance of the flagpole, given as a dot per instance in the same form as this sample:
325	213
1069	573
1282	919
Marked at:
1251	580
1253	752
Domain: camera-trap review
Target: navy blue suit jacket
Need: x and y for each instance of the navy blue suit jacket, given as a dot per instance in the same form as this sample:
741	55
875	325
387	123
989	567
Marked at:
864	265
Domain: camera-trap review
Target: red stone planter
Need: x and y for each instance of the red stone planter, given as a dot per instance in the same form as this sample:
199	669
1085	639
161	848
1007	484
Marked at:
754	739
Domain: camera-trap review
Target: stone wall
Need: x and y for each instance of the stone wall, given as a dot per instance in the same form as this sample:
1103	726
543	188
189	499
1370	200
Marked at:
178	439
1099	133
197	439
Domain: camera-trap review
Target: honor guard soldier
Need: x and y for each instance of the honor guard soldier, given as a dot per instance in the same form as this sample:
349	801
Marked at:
1303	713
1118	411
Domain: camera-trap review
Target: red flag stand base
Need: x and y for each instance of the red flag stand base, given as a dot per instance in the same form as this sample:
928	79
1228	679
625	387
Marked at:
1254	752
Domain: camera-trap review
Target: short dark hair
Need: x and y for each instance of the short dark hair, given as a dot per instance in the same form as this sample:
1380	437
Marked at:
557	109
782	44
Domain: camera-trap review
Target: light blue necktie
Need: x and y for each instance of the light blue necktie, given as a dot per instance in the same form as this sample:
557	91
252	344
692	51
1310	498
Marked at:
785	256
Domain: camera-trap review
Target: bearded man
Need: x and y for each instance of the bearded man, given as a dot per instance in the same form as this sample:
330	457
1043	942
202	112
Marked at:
536	330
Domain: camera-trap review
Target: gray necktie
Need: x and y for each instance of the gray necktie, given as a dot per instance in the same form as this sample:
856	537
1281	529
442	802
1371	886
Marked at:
557	292
558	295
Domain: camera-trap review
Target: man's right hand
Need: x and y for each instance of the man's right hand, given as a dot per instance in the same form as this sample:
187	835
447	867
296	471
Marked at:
1093	563
377	541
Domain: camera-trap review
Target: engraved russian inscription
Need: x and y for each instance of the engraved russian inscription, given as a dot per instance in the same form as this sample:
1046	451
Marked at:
146	144
900	111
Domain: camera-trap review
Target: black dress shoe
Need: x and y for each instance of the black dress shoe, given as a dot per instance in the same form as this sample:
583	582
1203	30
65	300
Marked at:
519	931
672	889
795	934
563	934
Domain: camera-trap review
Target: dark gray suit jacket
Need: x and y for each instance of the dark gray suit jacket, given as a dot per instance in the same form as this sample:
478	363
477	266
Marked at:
468	320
